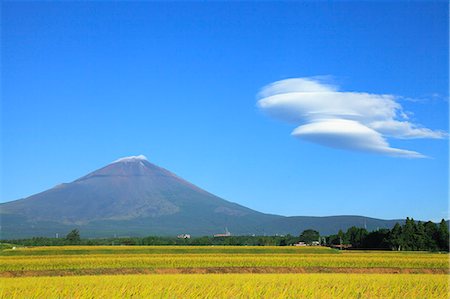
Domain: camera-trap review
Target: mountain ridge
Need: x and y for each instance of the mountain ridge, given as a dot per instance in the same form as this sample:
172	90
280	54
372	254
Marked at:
134	197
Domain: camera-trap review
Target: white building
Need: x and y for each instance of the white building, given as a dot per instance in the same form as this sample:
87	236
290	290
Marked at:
184	236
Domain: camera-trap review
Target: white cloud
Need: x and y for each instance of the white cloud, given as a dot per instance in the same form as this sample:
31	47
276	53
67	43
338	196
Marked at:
346	120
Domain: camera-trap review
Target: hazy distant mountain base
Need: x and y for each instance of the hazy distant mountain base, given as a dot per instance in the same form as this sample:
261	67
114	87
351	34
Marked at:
132	197
16	227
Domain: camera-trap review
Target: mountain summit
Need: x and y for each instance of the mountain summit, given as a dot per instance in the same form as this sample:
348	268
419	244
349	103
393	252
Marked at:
129	195
133	197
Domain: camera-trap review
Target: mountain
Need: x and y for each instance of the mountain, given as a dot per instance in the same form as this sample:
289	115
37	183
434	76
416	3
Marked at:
133	197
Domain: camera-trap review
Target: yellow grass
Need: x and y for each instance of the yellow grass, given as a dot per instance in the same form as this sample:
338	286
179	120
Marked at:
189	260
75	260
229	286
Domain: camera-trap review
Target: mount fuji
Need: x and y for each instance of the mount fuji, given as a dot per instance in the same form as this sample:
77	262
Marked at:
133	197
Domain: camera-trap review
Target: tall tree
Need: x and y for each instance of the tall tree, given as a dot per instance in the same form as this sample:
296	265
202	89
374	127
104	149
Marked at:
73	237
431	236
355	236
377	239
443	238
309	235
341	237
409	229
419	236
396	239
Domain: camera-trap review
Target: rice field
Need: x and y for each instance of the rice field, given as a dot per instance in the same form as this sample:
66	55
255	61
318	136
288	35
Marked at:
229	286
54	262
238	271
88	250
156	257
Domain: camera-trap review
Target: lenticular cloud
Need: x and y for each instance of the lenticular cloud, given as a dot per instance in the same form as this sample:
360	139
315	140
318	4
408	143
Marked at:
346	120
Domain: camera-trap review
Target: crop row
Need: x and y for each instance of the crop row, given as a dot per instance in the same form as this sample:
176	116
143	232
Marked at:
229	286
77	250
360	260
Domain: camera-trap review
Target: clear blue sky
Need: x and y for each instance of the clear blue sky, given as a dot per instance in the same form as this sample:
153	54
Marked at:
86	83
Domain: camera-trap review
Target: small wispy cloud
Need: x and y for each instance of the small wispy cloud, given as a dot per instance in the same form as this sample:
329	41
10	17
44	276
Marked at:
347	120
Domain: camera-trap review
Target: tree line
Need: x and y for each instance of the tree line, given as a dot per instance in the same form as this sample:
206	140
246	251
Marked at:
412	235
73	238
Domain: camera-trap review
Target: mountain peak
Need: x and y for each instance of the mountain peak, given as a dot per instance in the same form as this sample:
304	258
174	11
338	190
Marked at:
132	159
130	193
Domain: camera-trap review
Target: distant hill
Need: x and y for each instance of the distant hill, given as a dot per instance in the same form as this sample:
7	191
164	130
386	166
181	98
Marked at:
133	197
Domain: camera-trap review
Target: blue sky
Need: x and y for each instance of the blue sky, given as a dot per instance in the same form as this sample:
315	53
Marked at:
86	83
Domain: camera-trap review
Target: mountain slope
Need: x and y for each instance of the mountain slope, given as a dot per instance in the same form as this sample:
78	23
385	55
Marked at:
133	197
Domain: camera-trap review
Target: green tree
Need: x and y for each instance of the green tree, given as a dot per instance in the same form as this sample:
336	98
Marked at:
377	239
355	236
282	242
443	237
309	235
409	229
396	237
73	237
341	237
332	240
431	236
419	236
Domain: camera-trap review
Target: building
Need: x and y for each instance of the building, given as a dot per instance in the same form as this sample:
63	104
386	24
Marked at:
184	236
226	234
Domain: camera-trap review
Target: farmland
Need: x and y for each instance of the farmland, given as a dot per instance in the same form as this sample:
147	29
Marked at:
193	271
230	286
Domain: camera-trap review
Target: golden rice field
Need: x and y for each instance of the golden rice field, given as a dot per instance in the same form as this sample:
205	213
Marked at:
172	272
229	286
54	262
197	257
